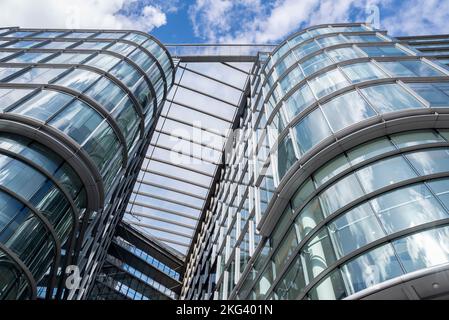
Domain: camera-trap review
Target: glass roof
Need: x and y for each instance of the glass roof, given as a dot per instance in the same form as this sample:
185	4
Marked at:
185	150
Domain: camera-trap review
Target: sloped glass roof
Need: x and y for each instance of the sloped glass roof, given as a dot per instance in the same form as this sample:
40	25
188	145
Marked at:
185	150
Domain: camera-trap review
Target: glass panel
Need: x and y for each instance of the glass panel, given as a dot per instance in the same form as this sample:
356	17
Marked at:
78	79
411	69
363	38
309	217
346	110
303	193
430	161
440	187
371	268
331	169
383	51
70	58
43	105
6	72
77	120
9	96
38	75
369	150
318	255
30	57
432	92
390	97
58	45
298	101
384	172
331	287
315	63
92	45
24	44
292	283
79	35
423	250
407	207
363	71
311	130
285	249
340	194
328	82
354	229
286	156
408	139
343	54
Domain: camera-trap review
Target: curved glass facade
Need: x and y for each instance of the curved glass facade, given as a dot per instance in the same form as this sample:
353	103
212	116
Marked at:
76	105
337	188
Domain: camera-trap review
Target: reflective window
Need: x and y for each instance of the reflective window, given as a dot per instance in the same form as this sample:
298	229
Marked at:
318	255
78	79
43	105
363	71
407	207
103	61
110	35
299	100
92	45
306	49
390	97
57	45
384	172
331	169
6	72
440	188
437	94
38	75
347	109
24	44
328	82
311	215
330	41
331	287
79	35
354	229
286	156
407	139
371	268
430	161
292	283
291	79
48	34
411	69
340	194
77	120
19	34
311	130
315	63
364	38
369	150
423	250
70	58
383	51
9	96
343	54
30	57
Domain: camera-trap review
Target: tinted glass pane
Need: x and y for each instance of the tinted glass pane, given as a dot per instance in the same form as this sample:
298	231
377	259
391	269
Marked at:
347	109
328	82
432	93
363	72
390	97
430	161
385	172
311	130
371	268
299	100
407	207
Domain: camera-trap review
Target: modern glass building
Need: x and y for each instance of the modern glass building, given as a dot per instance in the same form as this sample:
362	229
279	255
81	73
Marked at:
313	169
336	187
78	108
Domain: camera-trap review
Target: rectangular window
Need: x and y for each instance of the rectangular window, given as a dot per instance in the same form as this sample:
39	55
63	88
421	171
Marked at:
407	207
390	97
315	63
346	110
363	71
311	130
437	94
383	51
328	82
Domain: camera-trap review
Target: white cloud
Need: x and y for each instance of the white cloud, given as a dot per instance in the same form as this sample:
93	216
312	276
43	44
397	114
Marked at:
103	14
256	21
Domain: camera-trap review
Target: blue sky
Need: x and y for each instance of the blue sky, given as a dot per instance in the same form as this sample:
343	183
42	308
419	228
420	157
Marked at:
226	21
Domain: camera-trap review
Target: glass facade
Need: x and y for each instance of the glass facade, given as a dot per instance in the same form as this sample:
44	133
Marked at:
344	176
72	130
